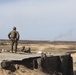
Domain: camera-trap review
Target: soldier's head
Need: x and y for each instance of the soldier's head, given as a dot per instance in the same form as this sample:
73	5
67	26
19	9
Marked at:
14	28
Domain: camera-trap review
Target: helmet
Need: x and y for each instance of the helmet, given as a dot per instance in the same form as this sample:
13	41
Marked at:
14	28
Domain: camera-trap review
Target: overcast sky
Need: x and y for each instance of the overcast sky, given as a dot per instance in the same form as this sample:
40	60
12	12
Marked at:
51	20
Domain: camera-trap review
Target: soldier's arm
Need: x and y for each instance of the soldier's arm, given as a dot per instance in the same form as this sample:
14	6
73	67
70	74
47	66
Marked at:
18	36
9	35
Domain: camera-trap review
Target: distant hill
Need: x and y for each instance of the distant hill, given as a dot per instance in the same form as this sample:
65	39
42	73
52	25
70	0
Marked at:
39	42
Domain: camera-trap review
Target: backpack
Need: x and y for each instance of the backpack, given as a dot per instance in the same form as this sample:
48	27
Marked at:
13	34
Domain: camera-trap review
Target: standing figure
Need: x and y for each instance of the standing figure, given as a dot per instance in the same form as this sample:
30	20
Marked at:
14	37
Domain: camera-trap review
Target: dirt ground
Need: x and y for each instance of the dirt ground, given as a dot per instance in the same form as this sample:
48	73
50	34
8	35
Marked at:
36	48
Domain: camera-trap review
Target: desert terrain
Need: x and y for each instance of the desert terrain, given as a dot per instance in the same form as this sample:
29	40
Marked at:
55	47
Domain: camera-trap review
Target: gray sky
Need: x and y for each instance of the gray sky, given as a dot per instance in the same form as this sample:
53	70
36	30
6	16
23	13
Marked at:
51	20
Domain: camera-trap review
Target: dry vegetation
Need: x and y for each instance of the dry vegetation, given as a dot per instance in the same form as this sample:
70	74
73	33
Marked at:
48	47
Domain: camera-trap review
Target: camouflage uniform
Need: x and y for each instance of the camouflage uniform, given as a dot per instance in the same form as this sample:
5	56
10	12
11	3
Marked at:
14	37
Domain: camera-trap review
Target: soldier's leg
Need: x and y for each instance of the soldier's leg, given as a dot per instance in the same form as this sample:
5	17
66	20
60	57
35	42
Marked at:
12	44
16	46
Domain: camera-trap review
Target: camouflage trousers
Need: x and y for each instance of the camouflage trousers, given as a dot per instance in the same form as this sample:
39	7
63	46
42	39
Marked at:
14	46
